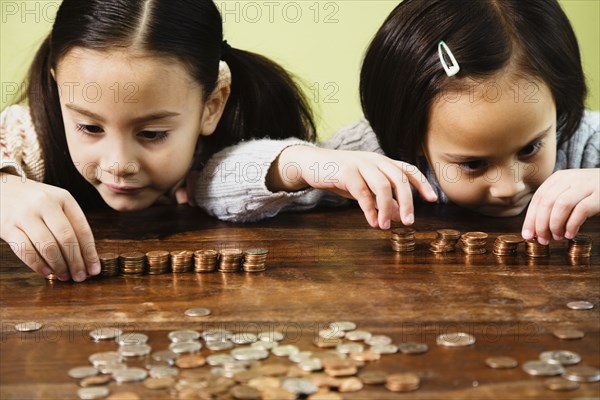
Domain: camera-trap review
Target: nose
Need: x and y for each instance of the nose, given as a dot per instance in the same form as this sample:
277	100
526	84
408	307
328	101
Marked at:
508	182
119	159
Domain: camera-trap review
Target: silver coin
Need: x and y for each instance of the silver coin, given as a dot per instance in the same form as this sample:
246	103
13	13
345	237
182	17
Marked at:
111	367
165	355
580	305
378	340
217	335
342	326
560	357
332	333
303	355
257	252
183	336
542	368
311	364
413	348
384	348
285	350
244	338
134	350
163	372
131	338
347	348
218	345
185	347
149	364
105	357
82	372
582	373
299	386
105	333
356	336
249	353
218	359
91	393
130	375
264	345
457	339
29	326
272	336
197	312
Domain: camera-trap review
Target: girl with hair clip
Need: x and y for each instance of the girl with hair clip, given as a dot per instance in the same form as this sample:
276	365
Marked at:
124	98
487	100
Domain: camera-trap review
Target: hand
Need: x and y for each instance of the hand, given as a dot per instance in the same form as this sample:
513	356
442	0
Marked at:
370	178
562	204
46	229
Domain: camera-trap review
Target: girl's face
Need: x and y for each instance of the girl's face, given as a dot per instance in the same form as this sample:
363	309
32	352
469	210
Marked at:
492	146
132	122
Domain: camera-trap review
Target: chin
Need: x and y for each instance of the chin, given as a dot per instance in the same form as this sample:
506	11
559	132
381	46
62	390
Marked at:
501	212
125	205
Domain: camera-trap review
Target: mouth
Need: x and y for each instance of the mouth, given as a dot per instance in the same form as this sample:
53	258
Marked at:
129	190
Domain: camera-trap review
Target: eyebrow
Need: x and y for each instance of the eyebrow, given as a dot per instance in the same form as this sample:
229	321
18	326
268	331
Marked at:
145	118
461	157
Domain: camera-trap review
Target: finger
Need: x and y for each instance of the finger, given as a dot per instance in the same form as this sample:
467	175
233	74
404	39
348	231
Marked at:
582	211
43	241
417	179
544	210
379	184
358	188
561	211
65	237
26	251
403	193
84	235
181	196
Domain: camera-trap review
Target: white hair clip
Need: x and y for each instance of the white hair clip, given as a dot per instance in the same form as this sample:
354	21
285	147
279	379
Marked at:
452	69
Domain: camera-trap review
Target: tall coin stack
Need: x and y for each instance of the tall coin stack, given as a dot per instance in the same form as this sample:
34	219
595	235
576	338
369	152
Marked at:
535	249
580	246
133	263
181	261
506	245
255	260
158	262
473	242
403	239
230	260
205	260
109	264
445	241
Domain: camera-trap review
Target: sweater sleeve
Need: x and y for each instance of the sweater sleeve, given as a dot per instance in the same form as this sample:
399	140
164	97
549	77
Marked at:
583	149
232	184
20	153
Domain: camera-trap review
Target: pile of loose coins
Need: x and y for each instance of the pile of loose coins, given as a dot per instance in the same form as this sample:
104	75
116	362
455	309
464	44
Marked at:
471	243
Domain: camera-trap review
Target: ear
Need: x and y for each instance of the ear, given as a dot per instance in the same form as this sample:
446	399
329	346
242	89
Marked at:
53	73
213	109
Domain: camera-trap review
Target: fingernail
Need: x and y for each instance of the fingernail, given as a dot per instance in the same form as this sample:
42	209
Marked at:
556	237
79	276
95	270
569	235
527	234
46	271
385	225
543	241
64	277
410	219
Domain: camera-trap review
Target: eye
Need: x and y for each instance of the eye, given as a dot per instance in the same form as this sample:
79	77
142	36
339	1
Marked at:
89	129
472	166
153	136
531	149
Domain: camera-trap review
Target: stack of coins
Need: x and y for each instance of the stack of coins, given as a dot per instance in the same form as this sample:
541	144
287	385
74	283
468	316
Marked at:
403	239
133	263
205	260
109	264
580	246
230	260
473	242
506	245
445	241
405	382
534	249
255	260
158	262
181	261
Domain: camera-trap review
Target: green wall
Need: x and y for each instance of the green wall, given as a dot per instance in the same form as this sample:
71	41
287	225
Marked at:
322	42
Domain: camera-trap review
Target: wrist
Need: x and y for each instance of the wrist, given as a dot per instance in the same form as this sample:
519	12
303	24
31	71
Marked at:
287	171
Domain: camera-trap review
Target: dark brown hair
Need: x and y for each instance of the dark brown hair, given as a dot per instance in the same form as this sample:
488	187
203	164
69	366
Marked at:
402	74
264	100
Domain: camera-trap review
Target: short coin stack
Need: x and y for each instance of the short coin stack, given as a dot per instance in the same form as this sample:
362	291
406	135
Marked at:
403	239
473	242
205	260
445	241
535	249
109	264
133	263
230	260
406	382
158	262
181	261
255	260
506	245
580	246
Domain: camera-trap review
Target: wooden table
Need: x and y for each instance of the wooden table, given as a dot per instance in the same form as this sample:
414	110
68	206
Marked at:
324	266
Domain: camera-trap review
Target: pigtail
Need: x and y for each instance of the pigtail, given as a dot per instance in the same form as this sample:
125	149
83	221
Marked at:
265	102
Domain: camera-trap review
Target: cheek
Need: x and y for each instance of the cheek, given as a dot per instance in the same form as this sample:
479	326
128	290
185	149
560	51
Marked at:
457	185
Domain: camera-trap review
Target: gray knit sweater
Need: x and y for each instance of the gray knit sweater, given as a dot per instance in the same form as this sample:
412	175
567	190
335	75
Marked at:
232	185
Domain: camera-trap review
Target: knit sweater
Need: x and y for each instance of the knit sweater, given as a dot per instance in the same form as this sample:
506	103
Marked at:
232	184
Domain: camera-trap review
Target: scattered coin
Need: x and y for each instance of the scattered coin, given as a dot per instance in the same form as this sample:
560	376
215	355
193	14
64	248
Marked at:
373	377
91	393
413	348
95	380
560	357
130	375
82	372
542	368
568	333
30	326
299	386
197	312
402	382
159	383
342	326
105	333
501	362
358	335
378	340
124	396
560	384
245	393
134	350
580	305
582	373
103	358
185	347
457	339
183	336
190	361
131	338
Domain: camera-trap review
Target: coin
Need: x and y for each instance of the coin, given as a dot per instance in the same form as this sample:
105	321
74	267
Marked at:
271	336
185	347
133	263
501	362
131	338
346	348
373	377
582	373
130	375
378	340
103	358
403	239
473	242
249	353
105	333
245	393
580	247
413	348
197	312
560	357
82	372
159	383
405	382
217	345
311	364
350	385
568	333
358	335
342	326
123	396
384	348
299	386
95	380
535	249
507	245
91	393
255	260
163	372
457	339
580	305
445	241
181	261
560	384
285	350
205	260
218	359
183	336
29	326
542	368
367	355
109	264
230	260
165	355
244	338
190	361
158	262
134	350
